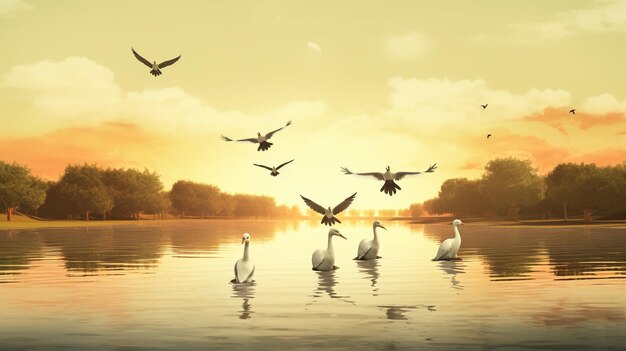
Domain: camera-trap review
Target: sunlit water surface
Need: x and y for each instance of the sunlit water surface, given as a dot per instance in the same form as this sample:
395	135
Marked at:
165	286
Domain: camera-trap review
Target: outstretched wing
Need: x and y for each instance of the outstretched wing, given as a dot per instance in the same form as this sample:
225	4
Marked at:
288	162
252	140
343	205
376	175
315	207
141	59
400	175
269	168
169	62
269	135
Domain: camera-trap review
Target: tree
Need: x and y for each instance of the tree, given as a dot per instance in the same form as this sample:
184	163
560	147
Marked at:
510	183
354	212
19	189
190	198
83	190
133	192
461	195
416	210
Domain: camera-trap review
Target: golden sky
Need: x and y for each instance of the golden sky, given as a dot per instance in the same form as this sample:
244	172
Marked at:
366	83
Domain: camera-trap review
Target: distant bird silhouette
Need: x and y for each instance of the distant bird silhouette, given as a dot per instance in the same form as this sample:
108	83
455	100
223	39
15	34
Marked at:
488	135
484	106
156	68
274	170
572	111
390	186
262	140
329	214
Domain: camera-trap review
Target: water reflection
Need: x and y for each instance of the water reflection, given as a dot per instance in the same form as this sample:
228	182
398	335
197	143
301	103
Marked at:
326	282
17	251
452	269
369	269
246	292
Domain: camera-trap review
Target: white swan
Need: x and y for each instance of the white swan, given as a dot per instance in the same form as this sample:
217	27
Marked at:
368	249
324	260
244	268
450	247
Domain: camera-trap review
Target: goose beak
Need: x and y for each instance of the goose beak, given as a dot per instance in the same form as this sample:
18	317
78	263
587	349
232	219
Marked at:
382	227
243	241
341	235
463	224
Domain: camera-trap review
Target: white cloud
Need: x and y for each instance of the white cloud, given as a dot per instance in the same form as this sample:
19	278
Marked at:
607	16
8	8
314	47
407	46
604	103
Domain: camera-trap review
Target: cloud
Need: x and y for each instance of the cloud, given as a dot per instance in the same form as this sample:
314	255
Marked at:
407	46
9	8
314	47
605	16
561	120
604	103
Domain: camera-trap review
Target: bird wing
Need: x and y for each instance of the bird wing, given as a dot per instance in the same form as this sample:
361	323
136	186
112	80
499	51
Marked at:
376	175
343	205
317	259
269	135
169	62
364	248
252	140
269	168
444	249
400	175
250	275
315	207
237	272
141	59
277	168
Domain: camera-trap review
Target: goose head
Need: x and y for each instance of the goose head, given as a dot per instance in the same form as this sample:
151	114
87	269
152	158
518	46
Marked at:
336	232
457	222
388	168
245	238
258	134
377	224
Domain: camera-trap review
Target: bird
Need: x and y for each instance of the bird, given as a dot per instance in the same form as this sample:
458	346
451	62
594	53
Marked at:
450	247
244	268
572	111
324	260
484	106
274	170
488	136
156	68
368	249
328	215
390	186
262	140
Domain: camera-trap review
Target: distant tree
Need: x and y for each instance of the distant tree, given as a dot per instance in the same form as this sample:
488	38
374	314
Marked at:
19	189
190	198
387	213
405	212
434	206
228	205
83	191
354	212
509	183
133	192
462	196
416	210
369	213
159	205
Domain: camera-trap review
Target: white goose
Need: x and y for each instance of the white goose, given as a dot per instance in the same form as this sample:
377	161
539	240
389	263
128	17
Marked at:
450	247
244	268
324	260
389	187
368	249
260	139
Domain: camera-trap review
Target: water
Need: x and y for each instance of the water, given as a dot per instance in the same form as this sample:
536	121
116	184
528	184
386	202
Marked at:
165	286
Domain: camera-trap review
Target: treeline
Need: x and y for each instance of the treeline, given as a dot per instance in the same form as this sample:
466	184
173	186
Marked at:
511	187
88	191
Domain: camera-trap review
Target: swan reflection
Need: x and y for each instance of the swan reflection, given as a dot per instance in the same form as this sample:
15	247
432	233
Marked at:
246	292
452	269
370	270
326	282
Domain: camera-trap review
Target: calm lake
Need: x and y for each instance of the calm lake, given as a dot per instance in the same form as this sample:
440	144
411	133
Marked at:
165	286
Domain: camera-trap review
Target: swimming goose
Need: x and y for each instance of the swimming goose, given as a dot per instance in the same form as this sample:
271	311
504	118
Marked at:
450	247
390	186
324	260
328	217
156	68
273	169
244	268
262	140
368	249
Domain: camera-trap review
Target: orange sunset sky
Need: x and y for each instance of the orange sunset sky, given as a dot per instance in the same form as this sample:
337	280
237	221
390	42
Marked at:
366	83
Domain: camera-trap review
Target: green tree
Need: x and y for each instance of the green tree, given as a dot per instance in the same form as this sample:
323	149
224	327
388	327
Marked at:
416	210
83	191
19	189
510	183
133	192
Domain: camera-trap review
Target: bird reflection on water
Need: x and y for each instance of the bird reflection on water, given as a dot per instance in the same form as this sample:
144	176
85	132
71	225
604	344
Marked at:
370	270
326	282
452	269
246	292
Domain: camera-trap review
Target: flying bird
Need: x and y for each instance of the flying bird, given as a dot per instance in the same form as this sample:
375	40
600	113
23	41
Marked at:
324	260
572	111
488	136
274	170
156	68
484	106
390	186
328	215
244	268
262	140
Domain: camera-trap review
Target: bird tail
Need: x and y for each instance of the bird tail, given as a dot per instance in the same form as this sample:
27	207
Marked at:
330	221
155	72
274	174
264	145
390	187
